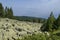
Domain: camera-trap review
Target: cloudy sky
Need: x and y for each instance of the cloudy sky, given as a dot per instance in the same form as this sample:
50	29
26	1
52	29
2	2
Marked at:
35	8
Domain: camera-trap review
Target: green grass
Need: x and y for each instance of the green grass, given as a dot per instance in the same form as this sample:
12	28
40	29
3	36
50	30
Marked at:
58	31
41	37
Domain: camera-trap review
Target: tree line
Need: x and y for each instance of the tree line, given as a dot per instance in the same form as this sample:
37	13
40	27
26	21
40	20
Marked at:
30	19
6	12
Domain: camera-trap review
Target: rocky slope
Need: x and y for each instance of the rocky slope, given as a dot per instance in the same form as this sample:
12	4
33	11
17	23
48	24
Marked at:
12	29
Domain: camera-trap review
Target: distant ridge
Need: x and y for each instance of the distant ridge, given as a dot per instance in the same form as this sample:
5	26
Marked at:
30	19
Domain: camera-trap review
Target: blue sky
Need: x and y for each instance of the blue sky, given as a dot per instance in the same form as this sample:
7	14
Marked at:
35	8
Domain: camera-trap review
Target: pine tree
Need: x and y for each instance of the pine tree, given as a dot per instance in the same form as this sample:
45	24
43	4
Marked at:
8	12
1	10
50	22
11	12
48	26
57	22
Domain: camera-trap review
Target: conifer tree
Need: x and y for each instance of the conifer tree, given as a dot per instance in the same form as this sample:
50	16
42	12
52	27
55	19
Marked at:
57	22
48	26
8	12
11	12
1	10
50	22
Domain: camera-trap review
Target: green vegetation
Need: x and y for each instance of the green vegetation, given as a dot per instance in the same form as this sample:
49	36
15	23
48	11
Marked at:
1	10
30	19
35	37
57	23
7	12
49	25
52	24
40	37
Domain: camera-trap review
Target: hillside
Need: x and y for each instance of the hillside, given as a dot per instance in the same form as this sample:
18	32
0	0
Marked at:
13	29
30	19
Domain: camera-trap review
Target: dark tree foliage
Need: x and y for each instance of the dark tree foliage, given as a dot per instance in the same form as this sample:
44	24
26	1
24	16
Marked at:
49	25
7	12
30	19
1	10
57	23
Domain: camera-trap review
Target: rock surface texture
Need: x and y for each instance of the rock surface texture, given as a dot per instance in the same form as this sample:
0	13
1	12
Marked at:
12	29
